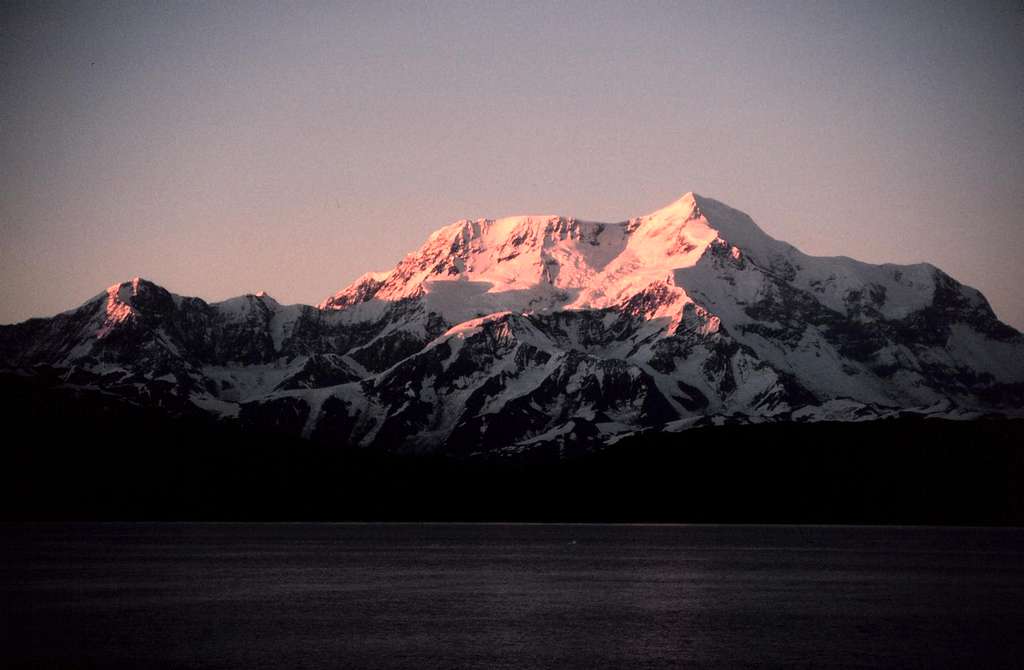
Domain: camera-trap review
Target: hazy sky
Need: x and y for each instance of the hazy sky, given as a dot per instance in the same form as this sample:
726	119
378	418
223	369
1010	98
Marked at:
222	148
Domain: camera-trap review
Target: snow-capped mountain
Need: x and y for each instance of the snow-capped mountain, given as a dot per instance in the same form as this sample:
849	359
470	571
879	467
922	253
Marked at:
499	334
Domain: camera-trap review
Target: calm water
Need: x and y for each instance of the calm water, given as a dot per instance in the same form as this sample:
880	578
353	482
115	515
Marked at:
497	596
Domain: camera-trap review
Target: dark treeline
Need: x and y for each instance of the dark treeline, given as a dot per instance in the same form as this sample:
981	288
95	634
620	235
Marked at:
80	456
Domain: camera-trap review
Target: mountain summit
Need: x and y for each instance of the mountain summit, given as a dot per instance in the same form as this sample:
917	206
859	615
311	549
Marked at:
506	334
542	263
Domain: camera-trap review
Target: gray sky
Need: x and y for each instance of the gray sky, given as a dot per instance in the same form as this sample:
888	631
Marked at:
222	148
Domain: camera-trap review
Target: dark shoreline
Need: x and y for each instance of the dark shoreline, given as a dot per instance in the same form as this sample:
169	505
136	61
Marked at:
86	457
952	473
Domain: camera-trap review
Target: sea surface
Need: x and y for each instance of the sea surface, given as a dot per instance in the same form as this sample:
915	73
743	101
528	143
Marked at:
509	596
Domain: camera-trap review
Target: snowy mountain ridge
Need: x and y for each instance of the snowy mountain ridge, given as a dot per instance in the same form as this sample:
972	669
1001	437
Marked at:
507	333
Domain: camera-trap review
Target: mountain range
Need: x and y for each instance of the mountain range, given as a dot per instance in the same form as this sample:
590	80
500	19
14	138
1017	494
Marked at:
507	334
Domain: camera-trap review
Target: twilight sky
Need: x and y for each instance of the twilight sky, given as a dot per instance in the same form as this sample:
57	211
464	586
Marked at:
223	148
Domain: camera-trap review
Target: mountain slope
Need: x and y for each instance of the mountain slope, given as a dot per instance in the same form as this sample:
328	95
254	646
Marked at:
507	333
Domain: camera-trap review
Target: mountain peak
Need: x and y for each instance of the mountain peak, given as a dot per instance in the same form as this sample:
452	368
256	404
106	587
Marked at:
687	205
689	199
124	301
731	225
119	305
126	289
124	292
266	298
542	261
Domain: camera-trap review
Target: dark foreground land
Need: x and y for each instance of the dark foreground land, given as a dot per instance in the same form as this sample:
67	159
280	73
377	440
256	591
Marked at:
79	457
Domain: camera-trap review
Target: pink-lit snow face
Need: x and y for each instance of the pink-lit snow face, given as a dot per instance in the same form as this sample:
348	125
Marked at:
691	265
119	306
537	263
